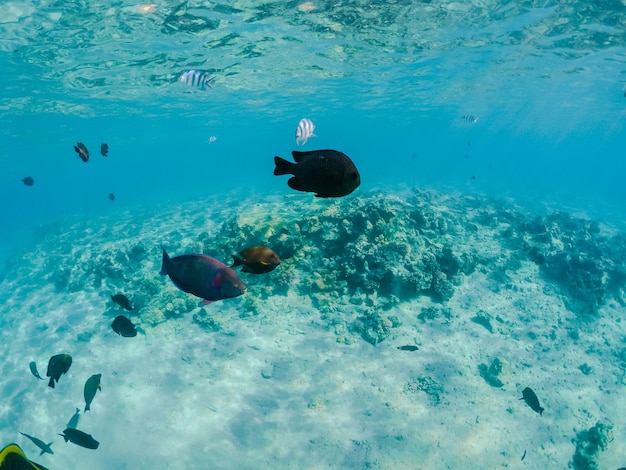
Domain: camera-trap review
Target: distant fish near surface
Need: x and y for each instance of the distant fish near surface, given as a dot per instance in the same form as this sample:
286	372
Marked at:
91	387
28	181
328	173
45	448
73	422
531	400
304	131
202	276
124	327
82	151
256	260
112	196
12	457
104	150
470	118
57	366
33	369
408	348
79	438
197	79
122	301
212	139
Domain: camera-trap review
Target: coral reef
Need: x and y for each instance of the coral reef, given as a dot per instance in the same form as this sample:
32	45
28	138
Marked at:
589	444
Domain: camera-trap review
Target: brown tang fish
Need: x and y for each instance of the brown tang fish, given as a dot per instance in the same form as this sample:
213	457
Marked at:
328	173
256	260
57	366
203	277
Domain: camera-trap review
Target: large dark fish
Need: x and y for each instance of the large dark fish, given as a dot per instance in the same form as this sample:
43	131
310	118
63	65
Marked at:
91	387
328	173
82	151
122	301
57	366
203	277
124	327
256	260
33	369
45	448
79	438
12	457
531	400
28	181
104	150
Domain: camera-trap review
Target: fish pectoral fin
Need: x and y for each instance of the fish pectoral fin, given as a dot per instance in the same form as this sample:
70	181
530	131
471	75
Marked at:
204	302
264	263
295	184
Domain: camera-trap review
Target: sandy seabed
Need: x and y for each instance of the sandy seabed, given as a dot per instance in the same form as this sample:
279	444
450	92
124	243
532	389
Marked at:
304	370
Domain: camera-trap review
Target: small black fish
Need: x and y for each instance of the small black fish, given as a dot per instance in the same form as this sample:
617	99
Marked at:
28	181
408	347
104	150
122	301
82	151
33	369
531	400
57	366
328	173
256	260
79	438
124	327
112	197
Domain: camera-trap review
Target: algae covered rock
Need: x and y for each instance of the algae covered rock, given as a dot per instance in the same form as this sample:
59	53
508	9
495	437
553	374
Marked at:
495	374
589	444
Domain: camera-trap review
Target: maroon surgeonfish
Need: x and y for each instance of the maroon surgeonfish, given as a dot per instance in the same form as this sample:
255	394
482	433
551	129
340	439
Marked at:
327	173
202	276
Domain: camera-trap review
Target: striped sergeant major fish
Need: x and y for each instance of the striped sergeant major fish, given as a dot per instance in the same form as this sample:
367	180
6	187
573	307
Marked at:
304	131
470	118
197	78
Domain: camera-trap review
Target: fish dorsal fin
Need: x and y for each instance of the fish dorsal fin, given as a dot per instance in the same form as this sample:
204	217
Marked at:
298	156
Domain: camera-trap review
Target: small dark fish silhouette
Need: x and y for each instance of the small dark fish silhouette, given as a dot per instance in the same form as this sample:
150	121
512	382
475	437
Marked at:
112	197
256	260
470	118
57	366
104	150
531	400
82	151
124	327
91	387
73	422
33	369
328	173
122	301
408	348
202	276
79	438
28	181
45	448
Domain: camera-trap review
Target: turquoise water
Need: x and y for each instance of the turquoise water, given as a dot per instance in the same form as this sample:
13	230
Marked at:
390	84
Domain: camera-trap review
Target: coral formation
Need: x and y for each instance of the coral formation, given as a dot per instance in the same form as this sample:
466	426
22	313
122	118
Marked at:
589	444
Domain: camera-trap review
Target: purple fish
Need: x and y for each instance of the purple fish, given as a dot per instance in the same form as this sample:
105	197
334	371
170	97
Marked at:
203	277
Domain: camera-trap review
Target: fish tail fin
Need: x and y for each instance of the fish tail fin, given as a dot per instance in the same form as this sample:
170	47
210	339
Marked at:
86	408
237	261
283	167
64	437
43	451
51	382
165	263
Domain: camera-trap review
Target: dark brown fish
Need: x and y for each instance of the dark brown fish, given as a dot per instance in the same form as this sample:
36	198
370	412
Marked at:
57	366
124	327
256	260
28	181
104	150
203	277
79	438
328	173
82	151
112	197
408	348
531	400
122	301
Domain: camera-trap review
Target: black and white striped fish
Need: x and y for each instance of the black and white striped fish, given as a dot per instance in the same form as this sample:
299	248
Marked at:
470	118
304	131
197	78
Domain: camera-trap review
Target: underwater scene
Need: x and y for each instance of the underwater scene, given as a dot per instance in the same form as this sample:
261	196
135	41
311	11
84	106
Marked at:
327	234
